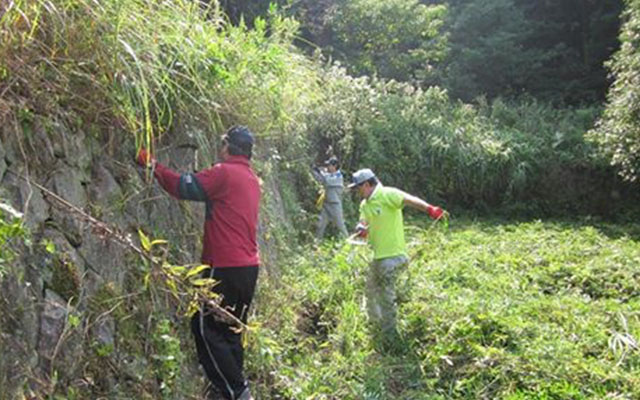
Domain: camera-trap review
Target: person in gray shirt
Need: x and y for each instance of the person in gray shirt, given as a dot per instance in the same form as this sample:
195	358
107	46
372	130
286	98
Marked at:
332	181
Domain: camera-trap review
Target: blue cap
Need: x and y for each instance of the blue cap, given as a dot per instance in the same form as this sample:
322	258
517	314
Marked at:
361	176
241	138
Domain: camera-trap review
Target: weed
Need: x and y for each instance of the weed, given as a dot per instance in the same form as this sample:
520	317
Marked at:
496	310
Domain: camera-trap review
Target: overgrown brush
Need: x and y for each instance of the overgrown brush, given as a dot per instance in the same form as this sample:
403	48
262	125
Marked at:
150	68
493	310
178	68
525	156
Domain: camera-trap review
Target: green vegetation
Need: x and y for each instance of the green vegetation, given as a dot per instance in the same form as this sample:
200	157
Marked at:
13	236
152	68
403	44
618	132
547	50
177	69
553	51
492	309
485	155
168	357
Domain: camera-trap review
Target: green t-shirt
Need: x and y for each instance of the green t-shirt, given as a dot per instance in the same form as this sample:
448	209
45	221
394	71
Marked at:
382	212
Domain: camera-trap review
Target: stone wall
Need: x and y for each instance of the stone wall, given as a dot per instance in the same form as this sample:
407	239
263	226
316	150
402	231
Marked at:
52	314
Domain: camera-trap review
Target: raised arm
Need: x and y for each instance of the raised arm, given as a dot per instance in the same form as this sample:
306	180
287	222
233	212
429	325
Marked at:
184	186
419	204
318	175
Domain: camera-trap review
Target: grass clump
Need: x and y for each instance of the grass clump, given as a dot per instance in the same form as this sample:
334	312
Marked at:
495	310
13	236
152	68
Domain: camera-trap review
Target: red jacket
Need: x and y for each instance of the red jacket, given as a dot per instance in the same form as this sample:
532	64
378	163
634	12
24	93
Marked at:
231	192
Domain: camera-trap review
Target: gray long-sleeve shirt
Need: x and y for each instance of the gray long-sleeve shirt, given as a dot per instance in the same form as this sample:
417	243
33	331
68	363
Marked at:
333	184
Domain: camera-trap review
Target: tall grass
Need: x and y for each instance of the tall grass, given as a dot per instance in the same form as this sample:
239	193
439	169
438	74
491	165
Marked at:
177	67
152	68
516	311
542	310
521	155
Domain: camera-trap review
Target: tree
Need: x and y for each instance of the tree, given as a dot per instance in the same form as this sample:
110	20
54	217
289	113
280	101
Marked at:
245	11
618	131
578	36
552	50
487	55
397	39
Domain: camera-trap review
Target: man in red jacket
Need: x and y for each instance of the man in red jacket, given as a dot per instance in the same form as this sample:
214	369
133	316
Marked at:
231	192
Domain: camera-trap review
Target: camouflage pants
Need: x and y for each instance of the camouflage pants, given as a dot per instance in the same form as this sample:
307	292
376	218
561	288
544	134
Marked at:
381	293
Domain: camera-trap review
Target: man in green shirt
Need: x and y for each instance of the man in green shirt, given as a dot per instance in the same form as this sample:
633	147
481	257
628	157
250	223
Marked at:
381	222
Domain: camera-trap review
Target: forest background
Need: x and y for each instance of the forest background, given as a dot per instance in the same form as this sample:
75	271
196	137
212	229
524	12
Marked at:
519	117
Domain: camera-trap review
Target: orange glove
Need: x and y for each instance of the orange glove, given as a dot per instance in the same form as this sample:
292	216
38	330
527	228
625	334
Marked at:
144	158
435	212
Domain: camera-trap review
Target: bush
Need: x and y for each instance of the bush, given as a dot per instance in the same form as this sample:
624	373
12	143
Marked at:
618	131
152	69
524	155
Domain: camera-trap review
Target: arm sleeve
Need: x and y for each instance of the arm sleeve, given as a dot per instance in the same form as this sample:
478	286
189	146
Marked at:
181	186
395	197
168	179
319	176
190	188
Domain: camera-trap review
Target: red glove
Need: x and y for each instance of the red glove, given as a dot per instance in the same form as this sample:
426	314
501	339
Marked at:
362	230
144	158
434	212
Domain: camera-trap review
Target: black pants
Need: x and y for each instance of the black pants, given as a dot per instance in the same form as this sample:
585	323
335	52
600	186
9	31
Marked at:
219	348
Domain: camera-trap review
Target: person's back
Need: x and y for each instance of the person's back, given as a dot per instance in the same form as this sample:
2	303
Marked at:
230	234
231	192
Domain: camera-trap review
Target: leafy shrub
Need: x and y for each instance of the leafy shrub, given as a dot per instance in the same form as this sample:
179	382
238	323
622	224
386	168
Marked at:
487	155
394	39
618	132
13	236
